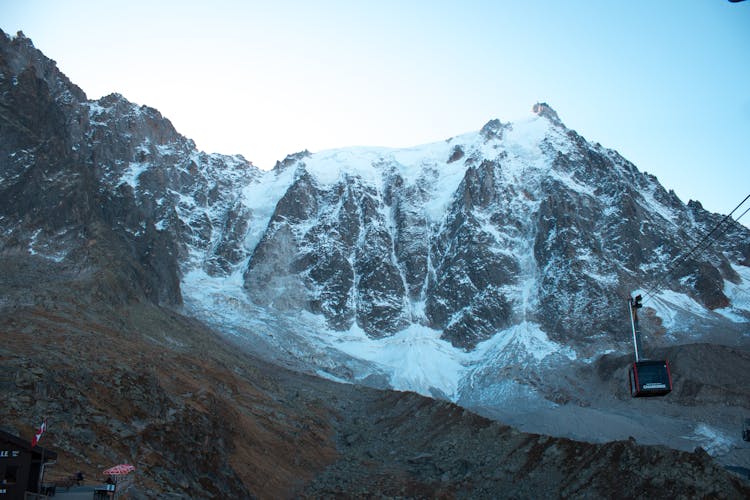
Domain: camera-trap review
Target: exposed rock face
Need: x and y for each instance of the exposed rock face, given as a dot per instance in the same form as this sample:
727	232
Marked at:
466	296
88	183
524	221
541	226
334	242
545	110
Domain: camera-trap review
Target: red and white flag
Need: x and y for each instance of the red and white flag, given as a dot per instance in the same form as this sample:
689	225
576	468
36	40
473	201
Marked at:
39	433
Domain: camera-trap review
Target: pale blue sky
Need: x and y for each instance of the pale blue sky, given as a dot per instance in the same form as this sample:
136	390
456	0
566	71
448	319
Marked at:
666	83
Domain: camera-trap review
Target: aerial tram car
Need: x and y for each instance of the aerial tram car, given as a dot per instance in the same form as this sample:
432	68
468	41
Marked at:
653	377
646	377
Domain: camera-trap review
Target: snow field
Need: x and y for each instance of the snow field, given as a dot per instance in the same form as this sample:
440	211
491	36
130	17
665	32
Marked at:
415	359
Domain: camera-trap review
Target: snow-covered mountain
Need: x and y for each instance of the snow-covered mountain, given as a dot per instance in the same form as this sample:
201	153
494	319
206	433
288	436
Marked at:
519	243
484	269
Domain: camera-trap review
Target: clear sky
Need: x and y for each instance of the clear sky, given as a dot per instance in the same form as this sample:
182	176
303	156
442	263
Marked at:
666	83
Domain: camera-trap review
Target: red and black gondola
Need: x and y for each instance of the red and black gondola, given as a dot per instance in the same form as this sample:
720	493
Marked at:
650	378
646	377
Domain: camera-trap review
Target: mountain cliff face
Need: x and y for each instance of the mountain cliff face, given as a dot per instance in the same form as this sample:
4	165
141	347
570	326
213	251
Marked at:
519	222
79	175
490	269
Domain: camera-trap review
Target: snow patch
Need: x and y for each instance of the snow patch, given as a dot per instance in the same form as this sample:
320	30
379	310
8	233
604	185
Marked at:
712	440
416	358
134	170
739	309
525	135
569	182
525	339
656	207
166	149
668	304
261	198
426	166
36	248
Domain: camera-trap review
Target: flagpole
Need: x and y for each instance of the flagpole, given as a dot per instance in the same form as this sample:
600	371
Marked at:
41	473
43	429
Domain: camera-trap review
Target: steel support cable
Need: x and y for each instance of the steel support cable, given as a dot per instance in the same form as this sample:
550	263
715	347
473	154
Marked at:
737	223
677	263
720	234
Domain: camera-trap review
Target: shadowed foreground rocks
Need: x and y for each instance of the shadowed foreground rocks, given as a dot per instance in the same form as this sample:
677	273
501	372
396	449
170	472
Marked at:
414	447
199	418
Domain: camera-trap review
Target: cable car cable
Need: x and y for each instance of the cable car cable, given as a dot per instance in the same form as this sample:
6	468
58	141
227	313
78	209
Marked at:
679	261
653	377
652	291
655	289
724	231
736	223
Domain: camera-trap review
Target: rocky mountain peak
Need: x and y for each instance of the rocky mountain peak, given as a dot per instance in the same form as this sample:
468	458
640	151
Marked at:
493	129
291	159
525	231
24	63
545	110
92	183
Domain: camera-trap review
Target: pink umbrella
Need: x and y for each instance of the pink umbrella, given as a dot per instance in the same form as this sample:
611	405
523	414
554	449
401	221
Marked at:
119	470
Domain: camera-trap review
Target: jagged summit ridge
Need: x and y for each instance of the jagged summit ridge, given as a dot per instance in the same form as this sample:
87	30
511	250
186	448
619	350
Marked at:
544	109
107	181
387	201
467	236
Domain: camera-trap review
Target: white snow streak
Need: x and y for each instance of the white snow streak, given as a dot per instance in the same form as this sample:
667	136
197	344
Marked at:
739	297
261	198
712	440
416	358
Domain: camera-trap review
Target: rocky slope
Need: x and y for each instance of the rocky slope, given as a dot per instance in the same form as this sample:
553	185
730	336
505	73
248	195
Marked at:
112	226
141	384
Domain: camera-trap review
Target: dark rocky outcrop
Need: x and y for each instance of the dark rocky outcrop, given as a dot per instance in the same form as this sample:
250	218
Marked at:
89	184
